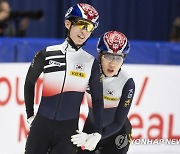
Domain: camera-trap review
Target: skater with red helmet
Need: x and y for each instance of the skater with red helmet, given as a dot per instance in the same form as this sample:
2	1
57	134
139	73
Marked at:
118	92
67	70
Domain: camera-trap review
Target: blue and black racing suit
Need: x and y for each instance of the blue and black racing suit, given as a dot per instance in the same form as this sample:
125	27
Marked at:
66	74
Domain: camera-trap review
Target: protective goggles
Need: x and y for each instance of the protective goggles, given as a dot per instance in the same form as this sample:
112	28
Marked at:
83	24
111	57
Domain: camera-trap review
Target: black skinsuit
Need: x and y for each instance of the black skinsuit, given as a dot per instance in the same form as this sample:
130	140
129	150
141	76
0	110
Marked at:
66	74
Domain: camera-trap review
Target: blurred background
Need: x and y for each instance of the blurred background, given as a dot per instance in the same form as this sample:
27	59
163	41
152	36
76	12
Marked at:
138	19
153	29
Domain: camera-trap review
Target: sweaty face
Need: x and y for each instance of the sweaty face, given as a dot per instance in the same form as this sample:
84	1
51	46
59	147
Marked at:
79	34
111	64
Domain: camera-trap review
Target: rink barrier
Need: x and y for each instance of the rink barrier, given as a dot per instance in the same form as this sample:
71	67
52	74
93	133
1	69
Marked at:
142	52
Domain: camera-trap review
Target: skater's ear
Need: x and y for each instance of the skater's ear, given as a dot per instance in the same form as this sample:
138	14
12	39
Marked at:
67	24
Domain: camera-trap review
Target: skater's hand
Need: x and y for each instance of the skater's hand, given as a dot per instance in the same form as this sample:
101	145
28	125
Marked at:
86	141
80	138
92	141
30	120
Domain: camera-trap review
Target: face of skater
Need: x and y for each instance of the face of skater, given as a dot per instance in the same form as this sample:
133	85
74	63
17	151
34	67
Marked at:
79	31
111	64
112	47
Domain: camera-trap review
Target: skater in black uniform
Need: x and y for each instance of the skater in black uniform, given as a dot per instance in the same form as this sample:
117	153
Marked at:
118	92
67	71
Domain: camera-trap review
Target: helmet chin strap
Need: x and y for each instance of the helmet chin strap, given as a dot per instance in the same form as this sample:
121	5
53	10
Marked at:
70	41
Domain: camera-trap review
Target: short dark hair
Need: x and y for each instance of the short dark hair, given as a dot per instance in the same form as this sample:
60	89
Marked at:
71	19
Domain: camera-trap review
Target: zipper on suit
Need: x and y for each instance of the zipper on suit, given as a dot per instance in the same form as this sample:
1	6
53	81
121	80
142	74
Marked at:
60	97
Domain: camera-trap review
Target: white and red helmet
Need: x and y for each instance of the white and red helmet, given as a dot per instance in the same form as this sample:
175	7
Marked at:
113	42
84	11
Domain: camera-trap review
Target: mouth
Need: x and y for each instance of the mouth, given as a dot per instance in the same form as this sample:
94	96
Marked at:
110	70
81	37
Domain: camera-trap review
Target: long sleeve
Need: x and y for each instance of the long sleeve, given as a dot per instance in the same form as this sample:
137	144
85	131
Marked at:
96	90
122	110
35	69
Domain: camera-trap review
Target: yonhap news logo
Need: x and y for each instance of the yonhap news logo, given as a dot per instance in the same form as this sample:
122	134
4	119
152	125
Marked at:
146	141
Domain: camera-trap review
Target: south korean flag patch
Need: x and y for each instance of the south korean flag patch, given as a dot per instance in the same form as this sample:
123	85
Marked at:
79	67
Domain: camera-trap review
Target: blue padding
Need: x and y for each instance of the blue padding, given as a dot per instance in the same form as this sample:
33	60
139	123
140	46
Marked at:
7	52
28	48
141	52
171	53
90	47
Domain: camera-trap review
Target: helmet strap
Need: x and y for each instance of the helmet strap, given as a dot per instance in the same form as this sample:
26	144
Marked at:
70	41
119	70
100	66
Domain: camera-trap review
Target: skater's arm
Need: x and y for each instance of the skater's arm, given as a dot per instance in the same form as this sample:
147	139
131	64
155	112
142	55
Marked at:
122	110
96	90
33	73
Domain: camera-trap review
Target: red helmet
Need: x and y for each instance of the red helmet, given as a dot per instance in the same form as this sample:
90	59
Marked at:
113	42
84	11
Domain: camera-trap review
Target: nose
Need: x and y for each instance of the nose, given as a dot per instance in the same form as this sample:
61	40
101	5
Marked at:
112	63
